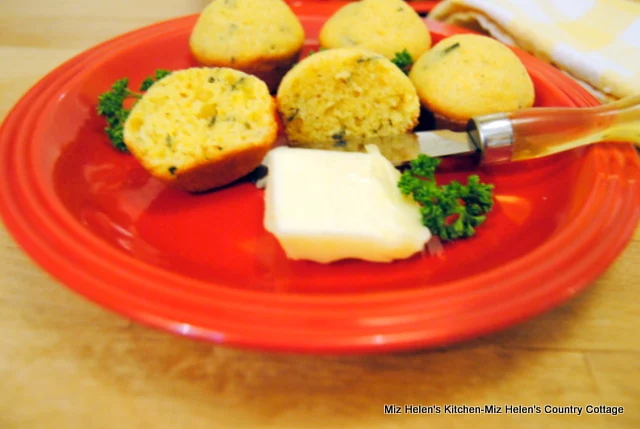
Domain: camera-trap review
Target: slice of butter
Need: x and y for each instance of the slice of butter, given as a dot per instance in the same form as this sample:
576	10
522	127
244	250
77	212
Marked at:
325	206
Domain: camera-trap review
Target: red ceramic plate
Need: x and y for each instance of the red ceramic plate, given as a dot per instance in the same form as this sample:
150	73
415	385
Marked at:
203	266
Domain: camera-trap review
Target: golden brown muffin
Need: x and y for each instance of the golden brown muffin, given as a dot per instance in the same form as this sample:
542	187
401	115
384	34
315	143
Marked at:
347	93
384	26
202	128
469	75
262	38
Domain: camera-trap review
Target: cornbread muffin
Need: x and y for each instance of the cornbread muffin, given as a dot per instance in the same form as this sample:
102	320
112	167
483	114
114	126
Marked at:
262	38
340	94
202	128
469	75
383	26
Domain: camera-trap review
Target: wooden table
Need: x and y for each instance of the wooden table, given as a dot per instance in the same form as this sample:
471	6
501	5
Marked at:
65	363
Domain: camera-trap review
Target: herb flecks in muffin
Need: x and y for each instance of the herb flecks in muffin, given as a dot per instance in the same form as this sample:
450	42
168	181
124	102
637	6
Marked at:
168	140
293	115
451	48
213	120
339	138
348	41
237	83
173	169
367	59
403	60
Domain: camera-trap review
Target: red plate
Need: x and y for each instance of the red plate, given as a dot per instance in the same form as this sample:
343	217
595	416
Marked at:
203	266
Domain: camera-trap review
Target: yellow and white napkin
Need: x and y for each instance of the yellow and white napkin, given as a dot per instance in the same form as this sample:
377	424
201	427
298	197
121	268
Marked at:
597	42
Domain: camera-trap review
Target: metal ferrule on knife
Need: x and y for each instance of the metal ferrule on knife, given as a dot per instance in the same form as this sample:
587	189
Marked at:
492	135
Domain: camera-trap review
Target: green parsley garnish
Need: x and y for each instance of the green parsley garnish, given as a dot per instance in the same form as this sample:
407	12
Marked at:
320	49
449	211
403	60
160	73
111	106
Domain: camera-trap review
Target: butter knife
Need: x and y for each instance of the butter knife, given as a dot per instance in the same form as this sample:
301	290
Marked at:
515	136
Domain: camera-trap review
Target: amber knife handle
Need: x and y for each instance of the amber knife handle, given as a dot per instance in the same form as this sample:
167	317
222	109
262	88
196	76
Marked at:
537	132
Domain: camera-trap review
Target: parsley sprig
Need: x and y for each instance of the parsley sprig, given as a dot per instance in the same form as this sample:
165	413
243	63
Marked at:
111	106
403	60
320	49
450	211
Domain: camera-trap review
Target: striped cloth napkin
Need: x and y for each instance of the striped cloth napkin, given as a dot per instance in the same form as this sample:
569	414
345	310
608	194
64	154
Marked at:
597	42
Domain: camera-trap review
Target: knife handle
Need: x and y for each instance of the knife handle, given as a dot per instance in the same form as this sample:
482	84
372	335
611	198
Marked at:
538	132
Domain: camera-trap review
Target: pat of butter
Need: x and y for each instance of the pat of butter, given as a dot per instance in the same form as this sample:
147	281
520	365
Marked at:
325	206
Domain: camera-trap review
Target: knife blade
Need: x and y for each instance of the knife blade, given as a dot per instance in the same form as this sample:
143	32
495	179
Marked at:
515	136
402	148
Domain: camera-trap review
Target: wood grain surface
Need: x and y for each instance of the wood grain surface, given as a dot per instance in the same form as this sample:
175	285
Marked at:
65	363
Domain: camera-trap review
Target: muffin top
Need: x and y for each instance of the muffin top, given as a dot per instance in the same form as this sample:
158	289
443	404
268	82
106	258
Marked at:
383	26
340	93
469	75
238	33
